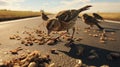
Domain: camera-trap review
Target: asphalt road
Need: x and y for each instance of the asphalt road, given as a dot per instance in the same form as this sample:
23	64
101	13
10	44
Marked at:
66	57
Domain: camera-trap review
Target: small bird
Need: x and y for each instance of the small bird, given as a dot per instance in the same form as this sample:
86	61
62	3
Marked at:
91	21
64	20
44	16
97	16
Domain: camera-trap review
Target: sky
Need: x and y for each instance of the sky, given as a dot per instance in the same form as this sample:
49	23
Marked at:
59	5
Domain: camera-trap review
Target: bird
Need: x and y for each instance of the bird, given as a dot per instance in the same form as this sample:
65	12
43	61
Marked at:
97	16
65	20
91	21
44	16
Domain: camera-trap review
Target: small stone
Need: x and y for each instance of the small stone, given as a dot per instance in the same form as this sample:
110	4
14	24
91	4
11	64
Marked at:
90	34
94	30
19	38
5	52
112	33
14	51
30	43
12	37
52	65
17	31
26	63
85	31
79	63
41	43
16	65
32	64
102	41
111	39
78	39
102	38
53	51
23	42
51	42
77	32
95	35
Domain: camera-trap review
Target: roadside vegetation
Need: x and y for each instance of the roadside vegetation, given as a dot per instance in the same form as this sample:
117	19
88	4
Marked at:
11	15
109	16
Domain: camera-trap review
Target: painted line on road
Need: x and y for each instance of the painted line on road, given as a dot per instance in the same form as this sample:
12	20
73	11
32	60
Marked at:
111	21
12	21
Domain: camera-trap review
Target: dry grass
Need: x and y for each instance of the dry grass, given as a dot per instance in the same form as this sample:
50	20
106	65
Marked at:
109	16
10	15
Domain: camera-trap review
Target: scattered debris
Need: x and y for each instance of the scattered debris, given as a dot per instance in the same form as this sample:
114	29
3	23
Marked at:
53	51
95	35
90	34
79	63
15	36
79	39
52	65
111	39
112	33
102	41
32	64
29	60
15	51
51	42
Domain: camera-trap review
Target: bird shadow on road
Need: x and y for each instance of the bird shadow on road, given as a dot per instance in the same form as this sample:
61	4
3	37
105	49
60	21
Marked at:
76	51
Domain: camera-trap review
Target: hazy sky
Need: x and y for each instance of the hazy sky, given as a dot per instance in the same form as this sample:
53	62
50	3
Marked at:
57	5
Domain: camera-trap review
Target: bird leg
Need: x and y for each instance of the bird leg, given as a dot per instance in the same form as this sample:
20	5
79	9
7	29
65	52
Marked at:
68	31
71	40
73	32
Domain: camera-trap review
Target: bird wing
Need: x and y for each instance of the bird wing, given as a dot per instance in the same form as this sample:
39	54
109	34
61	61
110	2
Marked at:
97	16
64	15
91	20
45	17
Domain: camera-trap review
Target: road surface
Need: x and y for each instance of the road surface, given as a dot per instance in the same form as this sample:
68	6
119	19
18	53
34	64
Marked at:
66	57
